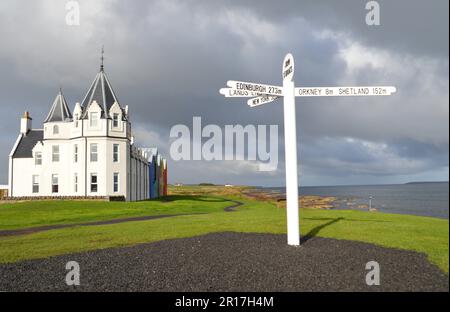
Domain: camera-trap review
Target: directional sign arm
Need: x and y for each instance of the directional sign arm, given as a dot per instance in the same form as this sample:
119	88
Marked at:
255	87
260	100
231	92
345	91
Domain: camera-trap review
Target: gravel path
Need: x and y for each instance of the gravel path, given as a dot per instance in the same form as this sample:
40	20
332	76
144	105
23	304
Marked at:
230	262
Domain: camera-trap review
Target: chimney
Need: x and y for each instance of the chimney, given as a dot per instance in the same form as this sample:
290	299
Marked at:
25	123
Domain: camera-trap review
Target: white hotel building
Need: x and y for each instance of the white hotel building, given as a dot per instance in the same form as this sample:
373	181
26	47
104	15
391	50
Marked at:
81	153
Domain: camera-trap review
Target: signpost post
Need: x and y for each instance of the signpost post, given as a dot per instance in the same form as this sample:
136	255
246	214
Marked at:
263	94
290	152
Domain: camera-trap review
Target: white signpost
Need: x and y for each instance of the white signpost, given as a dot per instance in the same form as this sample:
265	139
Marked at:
263	94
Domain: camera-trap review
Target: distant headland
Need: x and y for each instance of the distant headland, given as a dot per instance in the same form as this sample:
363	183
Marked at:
423	182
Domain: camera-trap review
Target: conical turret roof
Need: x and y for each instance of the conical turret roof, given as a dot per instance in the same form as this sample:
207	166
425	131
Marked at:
59	110
101	92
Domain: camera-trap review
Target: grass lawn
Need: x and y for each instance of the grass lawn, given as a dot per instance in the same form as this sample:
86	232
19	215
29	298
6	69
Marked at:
422	234
39	213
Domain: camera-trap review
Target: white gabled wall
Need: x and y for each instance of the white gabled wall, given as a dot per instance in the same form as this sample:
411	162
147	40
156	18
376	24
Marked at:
22	176
11	166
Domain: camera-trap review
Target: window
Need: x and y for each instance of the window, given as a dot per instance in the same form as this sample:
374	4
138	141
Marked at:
55	186
76	120
94	183
38	158
75	153
75	182
55	129
35	184
94	152
93	120
55	153
115	152
115	120
116	182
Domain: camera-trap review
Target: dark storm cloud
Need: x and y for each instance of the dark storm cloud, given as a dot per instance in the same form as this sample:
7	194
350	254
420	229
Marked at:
416	26
168	59
343	156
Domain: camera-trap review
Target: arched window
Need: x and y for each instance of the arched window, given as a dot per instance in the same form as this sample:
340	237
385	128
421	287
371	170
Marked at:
55	129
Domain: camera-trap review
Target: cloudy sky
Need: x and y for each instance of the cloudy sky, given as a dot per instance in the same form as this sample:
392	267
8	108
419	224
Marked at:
168	59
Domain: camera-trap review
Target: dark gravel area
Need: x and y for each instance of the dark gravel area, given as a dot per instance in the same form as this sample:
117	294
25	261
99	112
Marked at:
230	262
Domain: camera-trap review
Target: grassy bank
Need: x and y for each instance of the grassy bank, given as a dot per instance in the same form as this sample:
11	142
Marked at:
39	213
422	234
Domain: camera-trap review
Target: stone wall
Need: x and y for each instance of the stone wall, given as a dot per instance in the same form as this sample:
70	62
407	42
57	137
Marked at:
80	198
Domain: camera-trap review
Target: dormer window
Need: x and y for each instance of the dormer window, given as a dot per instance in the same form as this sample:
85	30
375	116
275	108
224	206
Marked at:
76	120
55	129
115	120
93	119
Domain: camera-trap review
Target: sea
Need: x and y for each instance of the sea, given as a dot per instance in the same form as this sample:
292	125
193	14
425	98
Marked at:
417	198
